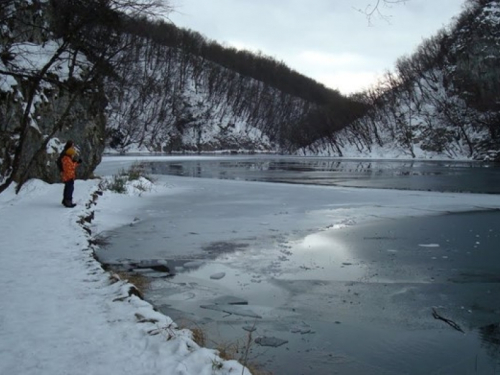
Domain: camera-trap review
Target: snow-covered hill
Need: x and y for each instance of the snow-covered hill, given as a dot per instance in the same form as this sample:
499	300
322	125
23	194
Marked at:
441	102
170	100
106	80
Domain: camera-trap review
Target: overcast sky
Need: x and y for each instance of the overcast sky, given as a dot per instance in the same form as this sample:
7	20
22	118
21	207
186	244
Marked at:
327	40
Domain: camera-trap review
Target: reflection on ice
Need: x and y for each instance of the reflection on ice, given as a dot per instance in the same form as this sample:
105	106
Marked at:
429	245
321	256
322	242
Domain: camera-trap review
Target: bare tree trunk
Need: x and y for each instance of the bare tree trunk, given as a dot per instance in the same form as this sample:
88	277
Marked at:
25	121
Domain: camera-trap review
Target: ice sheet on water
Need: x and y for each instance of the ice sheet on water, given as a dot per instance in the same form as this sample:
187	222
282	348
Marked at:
230	300
232	309
218	276
301	328
194	264
270	341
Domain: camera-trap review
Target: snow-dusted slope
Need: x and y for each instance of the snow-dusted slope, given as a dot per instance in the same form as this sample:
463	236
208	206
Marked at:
442	102
171	100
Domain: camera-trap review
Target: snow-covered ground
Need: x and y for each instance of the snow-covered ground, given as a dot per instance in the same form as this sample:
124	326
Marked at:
60	313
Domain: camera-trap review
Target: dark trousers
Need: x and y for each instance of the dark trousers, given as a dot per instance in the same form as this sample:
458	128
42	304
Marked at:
69	187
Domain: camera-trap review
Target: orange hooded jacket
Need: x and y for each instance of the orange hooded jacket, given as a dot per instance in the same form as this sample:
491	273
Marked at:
68	165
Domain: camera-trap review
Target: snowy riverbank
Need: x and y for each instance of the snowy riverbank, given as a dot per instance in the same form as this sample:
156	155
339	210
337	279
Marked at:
61	313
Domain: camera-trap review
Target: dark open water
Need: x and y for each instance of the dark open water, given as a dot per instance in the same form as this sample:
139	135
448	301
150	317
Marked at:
449	176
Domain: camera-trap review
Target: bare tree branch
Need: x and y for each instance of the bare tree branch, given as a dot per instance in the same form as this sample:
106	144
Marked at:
77	30
374	10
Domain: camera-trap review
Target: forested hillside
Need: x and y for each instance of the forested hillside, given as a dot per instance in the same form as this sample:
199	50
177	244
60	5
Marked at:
178	91
443	101
107	73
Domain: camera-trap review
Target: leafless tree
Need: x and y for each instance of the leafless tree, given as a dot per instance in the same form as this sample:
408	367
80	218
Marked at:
74	36
373	10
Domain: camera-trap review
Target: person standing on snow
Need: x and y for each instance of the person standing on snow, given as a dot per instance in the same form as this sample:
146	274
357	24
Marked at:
68	173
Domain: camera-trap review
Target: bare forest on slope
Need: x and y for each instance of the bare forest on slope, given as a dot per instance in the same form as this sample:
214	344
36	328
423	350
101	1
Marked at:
441	101
109	74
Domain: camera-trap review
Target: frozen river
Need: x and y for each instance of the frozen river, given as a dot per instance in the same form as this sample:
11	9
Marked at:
341	280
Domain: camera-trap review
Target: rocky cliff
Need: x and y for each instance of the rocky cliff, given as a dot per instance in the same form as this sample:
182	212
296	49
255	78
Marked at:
45	99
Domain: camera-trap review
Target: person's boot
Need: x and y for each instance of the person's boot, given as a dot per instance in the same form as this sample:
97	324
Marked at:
68	203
